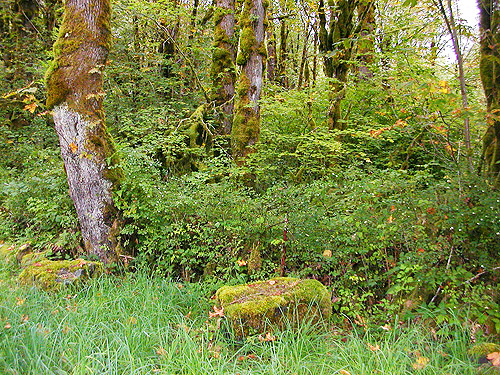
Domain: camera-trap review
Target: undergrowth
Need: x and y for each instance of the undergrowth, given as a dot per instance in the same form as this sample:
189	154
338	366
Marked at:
139	324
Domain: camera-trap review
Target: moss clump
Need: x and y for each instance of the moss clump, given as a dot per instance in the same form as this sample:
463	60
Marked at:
255	307
50	275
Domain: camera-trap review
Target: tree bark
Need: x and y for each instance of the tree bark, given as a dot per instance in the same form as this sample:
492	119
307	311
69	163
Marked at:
366	16
246	124
489	26
75	94
336	46
283	54
223	70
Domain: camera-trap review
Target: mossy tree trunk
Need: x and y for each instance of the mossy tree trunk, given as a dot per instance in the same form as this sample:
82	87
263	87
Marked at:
335	43
251	54
490	76
75	94
223	63
283	53
168	35
271	54
366	44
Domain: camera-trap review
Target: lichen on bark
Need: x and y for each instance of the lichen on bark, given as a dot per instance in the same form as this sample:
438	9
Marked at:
75	94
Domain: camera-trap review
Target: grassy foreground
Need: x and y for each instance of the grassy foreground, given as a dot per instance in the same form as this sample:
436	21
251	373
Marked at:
144	325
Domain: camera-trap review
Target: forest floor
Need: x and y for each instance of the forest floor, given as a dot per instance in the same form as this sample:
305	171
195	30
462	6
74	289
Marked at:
137	324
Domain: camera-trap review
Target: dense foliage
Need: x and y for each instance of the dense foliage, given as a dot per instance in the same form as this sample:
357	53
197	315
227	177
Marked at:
385	212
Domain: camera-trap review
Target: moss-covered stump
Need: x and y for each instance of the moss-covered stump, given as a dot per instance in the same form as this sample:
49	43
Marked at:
52	274
276	303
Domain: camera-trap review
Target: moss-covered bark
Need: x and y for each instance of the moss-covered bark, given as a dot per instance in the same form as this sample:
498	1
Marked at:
490	77
223	71
365	47
251	54
335	43
75	94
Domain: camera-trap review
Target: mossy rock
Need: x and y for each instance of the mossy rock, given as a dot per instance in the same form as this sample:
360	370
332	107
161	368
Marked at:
52	274
273	304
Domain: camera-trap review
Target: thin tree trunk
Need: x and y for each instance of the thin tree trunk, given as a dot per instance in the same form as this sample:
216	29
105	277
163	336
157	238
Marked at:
452	29
283	54
246	125
271	54
223	70
75	94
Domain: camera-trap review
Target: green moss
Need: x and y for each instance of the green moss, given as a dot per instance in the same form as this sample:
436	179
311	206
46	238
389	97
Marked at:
273	302
50	275
71	70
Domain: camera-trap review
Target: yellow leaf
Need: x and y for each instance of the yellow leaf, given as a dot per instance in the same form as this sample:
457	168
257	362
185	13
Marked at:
217	312
373	348
327	253
390	219
31	107
20	301
421	363
73	147
344	372
7	325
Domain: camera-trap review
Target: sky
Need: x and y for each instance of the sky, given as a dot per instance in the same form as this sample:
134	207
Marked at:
469	11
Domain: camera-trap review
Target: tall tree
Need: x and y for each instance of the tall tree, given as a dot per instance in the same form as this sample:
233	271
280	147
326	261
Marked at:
246	124
489	26
223	63
335	43
75	94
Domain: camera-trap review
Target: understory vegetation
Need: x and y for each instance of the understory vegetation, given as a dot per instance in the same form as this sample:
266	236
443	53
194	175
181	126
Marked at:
385	211
139	324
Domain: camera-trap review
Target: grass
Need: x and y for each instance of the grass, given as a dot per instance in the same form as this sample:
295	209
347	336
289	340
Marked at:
143	325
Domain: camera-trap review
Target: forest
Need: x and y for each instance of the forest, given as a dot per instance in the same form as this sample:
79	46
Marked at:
174	147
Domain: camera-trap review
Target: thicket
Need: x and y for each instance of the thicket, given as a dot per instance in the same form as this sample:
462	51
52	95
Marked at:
384	212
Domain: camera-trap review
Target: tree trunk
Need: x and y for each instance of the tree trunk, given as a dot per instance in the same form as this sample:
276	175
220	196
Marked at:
366	16
271	54
490	77
246	125
75	93
283	56
223	63
336	46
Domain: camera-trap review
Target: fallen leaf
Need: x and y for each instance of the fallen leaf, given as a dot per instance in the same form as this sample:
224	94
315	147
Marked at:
241	358
327	253
241	262
267	338
20	301
217	312
344	372
161	351
7	325
24	318
494	358
251	356
373	348
390	219
31	107
272	282
421	363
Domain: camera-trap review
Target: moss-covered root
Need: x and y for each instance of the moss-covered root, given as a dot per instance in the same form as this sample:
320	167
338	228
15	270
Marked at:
51	275
257	307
